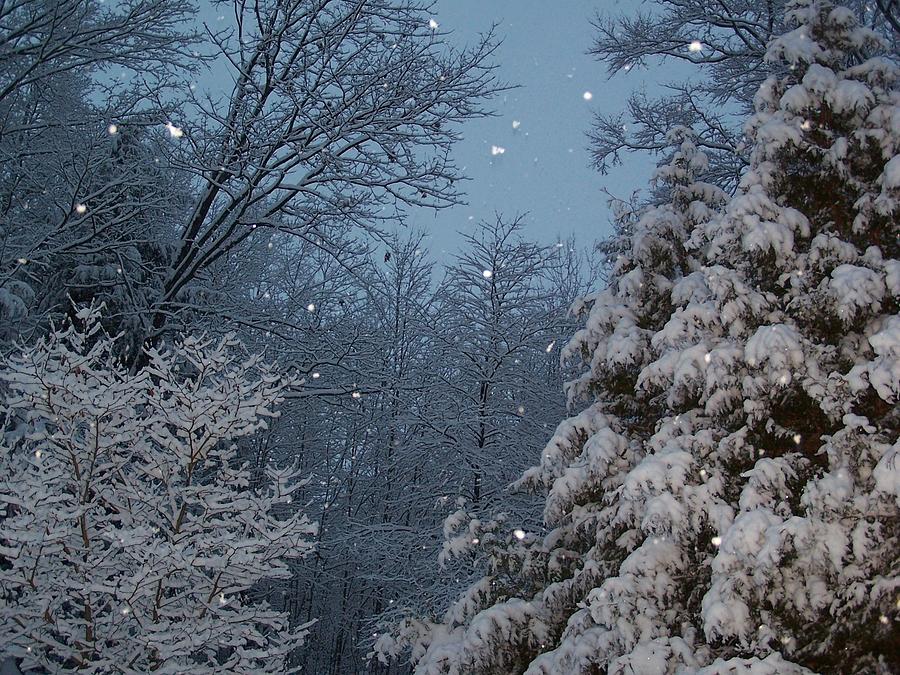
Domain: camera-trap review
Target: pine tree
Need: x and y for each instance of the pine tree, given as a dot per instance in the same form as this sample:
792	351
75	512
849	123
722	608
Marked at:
131	539
729	500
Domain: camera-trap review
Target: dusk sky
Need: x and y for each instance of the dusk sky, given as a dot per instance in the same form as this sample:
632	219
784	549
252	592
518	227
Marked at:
545	169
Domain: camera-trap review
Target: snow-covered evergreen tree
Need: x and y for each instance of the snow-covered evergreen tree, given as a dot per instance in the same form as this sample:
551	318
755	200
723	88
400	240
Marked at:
728	503
131	539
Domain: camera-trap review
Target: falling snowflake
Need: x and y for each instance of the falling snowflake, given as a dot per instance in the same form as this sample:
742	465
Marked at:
587	96
174	132
112	129
695	46
519	534
80	208
497	150
432	24
487	274
516	124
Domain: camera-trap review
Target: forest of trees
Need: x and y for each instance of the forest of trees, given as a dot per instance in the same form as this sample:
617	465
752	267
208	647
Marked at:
251	424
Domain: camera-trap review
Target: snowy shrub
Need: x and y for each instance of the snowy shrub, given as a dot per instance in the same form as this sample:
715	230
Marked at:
130	533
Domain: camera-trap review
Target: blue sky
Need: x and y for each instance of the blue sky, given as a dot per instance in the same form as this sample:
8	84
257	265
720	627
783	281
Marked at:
545	169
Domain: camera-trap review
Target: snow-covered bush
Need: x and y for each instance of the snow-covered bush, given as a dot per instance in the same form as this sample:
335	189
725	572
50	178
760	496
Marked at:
728	502
130	534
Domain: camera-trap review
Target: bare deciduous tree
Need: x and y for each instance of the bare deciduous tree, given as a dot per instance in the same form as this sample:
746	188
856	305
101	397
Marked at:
40	39
341	112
